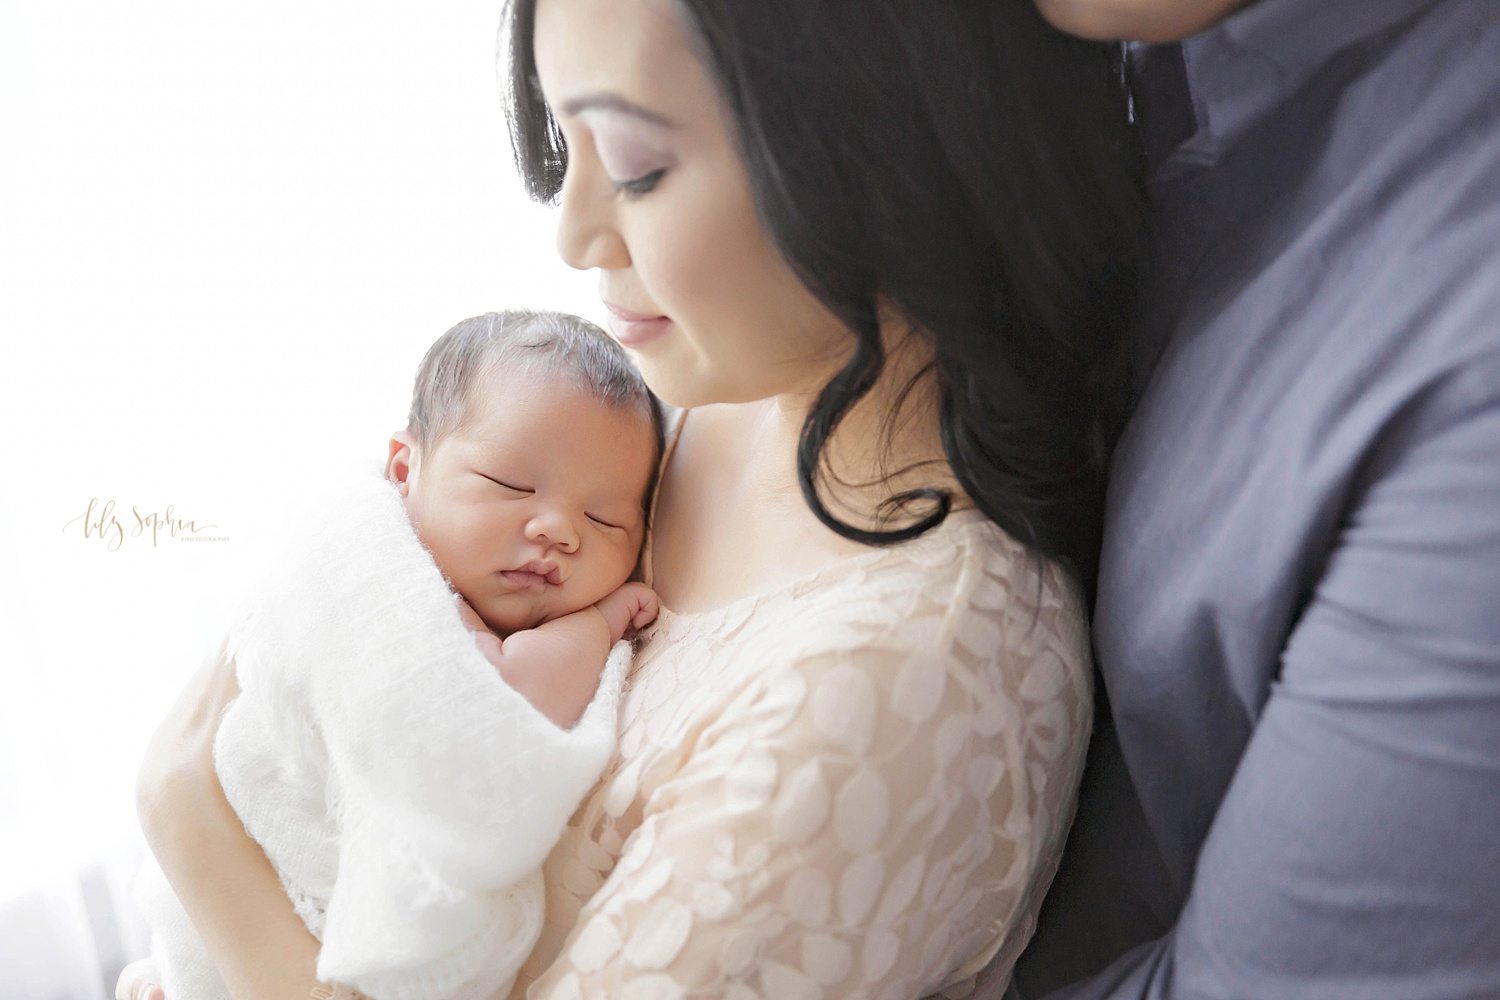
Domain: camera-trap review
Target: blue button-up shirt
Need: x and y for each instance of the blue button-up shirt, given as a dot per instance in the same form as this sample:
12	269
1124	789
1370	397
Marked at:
1295	794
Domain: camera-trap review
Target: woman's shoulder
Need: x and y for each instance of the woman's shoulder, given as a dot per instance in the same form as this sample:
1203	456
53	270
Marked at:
964	596
965	566
970	563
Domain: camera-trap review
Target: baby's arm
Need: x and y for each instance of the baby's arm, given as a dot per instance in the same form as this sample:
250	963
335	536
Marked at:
488	641
556	665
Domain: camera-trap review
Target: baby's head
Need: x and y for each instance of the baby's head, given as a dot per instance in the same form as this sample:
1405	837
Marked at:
527	463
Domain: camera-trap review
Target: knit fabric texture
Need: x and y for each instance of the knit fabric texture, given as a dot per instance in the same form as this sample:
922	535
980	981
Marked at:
405	795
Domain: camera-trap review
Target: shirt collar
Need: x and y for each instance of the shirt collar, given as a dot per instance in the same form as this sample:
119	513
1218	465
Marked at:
1249	63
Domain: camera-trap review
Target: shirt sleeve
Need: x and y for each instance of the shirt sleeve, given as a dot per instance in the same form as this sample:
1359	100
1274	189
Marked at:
1356	853
871	819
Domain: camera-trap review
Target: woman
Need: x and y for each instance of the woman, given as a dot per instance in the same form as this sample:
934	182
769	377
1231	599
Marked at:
882	266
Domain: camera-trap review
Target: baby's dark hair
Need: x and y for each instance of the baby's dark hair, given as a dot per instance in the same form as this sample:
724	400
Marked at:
539	342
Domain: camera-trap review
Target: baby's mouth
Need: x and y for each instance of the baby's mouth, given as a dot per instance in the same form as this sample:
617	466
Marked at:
538	572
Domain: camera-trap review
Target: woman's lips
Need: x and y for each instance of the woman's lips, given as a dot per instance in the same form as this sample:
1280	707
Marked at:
633	329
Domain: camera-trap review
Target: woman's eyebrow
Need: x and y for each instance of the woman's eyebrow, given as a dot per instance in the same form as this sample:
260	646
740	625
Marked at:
609	101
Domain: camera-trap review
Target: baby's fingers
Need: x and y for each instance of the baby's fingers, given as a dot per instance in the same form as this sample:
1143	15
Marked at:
646	613
139	981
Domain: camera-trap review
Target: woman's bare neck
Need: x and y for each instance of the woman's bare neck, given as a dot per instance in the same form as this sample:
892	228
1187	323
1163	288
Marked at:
731	520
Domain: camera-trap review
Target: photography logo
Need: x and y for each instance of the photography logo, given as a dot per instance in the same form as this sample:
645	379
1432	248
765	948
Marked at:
111	526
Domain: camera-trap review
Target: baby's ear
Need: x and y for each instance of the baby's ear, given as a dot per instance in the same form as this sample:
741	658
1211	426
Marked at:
398	463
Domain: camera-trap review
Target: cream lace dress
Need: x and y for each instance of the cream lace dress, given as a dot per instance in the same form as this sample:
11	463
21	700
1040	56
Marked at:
855	785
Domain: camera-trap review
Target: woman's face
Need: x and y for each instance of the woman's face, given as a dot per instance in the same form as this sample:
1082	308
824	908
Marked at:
656	198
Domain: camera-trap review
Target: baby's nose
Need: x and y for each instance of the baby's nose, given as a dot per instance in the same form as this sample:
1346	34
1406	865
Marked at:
554	529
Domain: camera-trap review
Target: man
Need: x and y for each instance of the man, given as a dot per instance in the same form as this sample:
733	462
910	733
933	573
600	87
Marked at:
1294	789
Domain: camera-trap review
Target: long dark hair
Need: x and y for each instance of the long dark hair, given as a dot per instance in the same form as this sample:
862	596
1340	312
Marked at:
967	165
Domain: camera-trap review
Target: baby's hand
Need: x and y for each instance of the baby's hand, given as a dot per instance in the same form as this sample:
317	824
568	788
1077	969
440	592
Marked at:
633	606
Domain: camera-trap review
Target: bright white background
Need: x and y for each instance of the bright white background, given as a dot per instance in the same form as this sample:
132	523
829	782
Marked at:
227	234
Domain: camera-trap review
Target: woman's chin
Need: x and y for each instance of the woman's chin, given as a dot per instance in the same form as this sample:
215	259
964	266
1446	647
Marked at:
678	382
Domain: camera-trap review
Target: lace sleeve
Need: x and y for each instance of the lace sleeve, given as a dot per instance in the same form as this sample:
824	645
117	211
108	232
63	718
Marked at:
874	816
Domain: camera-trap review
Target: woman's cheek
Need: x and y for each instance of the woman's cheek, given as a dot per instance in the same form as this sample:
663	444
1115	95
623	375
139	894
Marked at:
705	222
669	257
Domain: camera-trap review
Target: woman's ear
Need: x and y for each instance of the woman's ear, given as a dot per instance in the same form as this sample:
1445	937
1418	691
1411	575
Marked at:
400	460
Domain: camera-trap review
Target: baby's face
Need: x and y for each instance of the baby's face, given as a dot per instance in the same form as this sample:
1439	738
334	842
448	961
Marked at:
532	508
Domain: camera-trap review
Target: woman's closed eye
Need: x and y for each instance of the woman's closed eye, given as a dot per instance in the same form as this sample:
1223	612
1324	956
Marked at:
637	186
633	154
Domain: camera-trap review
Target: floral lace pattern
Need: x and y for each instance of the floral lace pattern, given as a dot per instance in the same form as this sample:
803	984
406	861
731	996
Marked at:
856	785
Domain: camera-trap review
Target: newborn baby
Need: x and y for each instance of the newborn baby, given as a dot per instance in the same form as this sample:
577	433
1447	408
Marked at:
525	469
429	678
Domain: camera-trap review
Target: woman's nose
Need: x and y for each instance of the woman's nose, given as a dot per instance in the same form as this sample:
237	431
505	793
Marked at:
553	529
586	232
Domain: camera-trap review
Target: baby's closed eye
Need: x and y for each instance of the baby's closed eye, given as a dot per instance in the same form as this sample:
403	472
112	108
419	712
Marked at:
513	487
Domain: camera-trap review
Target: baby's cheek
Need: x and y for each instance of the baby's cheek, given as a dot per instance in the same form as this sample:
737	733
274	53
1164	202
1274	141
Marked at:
629	556
610	573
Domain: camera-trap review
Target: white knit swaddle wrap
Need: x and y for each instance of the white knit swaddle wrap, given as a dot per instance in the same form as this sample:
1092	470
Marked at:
403	792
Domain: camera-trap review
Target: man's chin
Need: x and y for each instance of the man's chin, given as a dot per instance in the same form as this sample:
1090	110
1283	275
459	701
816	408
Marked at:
1137	20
